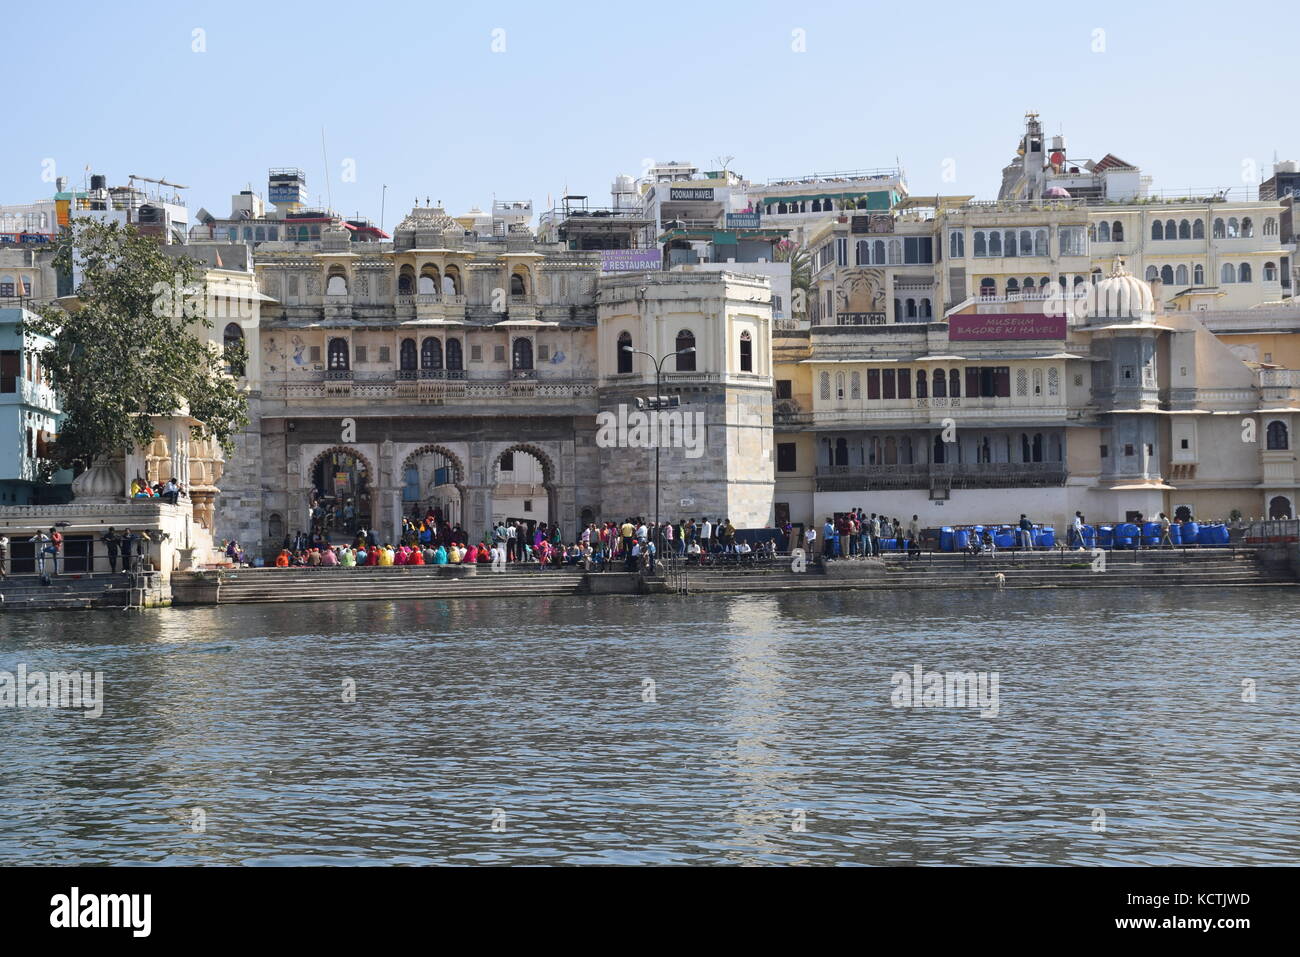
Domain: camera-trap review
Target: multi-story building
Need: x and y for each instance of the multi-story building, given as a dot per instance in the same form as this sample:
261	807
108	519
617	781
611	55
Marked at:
29	416
392	375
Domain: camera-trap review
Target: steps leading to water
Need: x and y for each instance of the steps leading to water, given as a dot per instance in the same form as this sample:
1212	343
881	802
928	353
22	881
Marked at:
393	582
26	593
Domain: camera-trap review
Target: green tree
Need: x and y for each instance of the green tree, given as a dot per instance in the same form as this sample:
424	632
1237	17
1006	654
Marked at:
788	251
131	345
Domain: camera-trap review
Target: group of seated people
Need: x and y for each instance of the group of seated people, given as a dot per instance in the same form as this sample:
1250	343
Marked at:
168	491
348	556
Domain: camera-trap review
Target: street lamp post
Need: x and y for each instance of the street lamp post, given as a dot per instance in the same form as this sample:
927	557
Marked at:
655	404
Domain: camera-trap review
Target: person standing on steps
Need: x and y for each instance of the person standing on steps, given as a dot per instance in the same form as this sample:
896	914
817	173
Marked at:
111	542
1164	531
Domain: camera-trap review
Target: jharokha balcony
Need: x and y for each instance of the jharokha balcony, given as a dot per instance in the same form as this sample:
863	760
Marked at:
963	475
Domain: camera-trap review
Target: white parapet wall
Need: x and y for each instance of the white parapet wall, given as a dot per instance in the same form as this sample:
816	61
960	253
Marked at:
178	542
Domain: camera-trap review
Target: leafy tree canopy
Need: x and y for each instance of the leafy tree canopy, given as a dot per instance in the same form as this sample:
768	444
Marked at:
133	346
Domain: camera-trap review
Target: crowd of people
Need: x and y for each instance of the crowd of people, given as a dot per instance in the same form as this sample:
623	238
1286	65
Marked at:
632	544
169	491
855	534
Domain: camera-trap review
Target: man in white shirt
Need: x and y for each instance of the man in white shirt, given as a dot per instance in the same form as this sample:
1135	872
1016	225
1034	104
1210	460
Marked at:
706	533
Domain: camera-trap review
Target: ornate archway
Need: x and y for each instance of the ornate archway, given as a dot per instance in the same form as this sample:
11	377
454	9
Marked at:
340	483
456	479
550	477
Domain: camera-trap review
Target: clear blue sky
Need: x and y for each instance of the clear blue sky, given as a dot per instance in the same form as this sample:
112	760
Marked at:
413	93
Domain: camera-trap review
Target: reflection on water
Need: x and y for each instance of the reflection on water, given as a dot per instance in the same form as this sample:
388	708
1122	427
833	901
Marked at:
767	711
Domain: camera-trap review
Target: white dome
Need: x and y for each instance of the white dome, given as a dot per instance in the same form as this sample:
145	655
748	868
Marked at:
1120	296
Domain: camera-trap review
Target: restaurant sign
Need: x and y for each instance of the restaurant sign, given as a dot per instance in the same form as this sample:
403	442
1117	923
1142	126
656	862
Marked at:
743	220
630	260
1027	325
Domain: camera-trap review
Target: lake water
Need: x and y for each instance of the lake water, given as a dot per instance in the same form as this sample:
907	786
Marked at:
495	732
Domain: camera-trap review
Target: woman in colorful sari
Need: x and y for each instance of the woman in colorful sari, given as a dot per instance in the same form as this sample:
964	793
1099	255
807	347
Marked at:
282	560
415	558
347	557
440	555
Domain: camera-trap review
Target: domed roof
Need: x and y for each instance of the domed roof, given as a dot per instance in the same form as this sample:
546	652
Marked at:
1057	192
1120	296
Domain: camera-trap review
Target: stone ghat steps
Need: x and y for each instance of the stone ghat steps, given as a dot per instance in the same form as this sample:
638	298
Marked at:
26	593
327	585
1225	570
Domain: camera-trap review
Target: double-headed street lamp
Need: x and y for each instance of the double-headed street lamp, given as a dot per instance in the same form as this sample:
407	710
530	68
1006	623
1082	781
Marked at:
658	402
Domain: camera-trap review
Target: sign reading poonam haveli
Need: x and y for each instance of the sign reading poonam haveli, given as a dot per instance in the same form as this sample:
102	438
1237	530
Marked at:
690	193
630	260
997	325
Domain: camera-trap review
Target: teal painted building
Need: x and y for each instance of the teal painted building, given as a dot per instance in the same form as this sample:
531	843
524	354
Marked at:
29	416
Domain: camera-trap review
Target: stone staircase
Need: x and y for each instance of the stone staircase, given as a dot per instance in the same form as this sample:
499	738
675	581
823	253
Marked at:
65	592
391	583
1220	568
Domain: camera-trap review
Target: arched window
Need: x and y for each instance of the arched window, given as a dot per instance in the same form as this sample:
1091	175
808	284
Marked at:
1040	242
624	357
940	380
1171	229
1157	229
940	450
895	252
1234	228
517	286
1117	231
878	252
1103	232
956	244
248	234
1198	229
954	383
841	451
1180	275
1013	287
855	385
455	356
1152	273
825	390
1028	285
429	281
1198	273
1167	275
1270	272
339	358
232	339
1247	228
988	287
927	310
746	352
337	283
451	281
1184	229
1022	382
406	281
407	355
1219	231
1009	243
862	250
1243	273
839	385
995	243
685	360
898	310
521	354
1277	438
1037	450
1228	273
431	353
981	245
922	384
1270	226
1053	381
911	309
1026	243
259	234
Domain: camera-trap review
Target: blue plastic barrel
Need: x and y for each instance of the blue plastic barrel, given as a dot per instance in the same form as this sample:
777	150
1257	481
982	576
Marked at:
1004	540
889	544
1106	536
1206	535
961	539
1221	535
1124	541
1046	537
1189	532
1151	533
945	538
1089	536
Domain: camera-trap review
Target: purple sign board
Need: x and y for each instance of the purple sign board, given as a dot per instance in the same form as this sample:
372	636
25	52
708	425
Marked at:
630	260
1027	325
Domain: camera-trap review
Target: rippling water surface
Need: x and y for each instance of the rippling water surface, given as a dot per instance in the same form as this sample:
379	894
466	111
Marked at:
769	713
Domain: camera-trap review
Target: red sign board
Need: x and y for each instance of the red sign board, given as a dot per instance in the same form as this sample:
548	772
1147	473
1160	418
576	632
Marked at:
997	325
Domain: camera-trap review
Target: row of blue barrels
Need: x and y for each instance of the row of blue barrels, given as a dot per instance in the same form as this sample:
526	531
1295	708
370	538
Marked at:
1004	536
1123	535
839	545
1130	535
